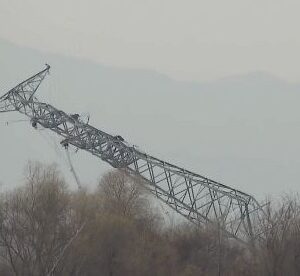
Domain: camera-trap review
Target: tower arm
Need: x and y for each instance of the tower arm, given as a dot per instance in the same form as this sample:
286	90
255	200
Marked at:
20	96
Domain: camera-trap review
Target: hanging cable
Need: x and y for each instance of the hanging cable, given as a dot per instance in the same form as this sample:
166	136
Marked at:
53	143
15	121
66	146
66	159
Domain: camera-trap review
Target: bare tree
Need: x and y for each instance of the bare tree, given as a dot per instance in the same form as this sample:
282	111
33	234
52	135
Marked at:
122	194
35	222
47	230
280	243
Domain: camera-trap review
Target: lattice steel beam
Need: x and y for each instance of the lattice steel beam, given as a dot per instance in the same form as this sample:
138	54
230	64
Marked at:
197	198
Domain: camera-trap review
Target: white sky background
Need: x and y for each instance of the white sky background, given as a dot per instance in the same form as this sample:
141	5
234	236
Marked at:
188	40
245	132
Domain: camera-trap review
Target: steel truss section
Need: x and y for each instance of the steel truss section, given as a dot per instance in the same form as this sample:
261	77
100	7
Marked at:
21	96
199	199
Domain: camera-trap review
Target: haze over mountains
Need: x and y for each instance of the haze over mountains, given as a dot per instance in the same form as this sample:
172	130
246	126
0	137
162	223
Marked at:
242	131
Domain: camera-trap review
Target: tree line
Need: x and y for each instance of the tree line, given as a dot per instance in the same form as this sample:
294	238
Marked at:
48	229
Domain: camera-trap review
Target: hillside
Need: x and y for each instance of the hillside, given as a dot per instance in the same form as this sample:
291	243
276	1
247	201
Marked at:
242	130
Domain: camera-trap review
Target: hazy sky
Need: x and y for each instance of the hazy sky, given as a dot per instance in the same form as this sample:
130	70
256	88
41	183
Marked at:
243	131
192	39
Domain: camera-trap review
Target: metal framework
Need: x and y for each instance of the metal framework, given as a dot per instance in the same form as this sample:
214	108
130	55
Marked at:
197	198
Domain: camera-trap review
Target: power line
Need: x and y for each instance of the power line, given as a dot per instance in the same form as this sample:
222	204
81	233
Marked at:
72	168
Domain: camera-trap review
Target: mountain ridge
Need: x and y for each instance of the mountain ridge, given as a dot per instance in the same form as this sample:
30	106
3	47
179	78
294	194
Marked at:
231	131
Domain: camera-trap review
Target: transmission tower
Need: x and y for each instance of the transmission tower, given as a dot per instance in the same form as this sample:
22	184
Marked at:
199	199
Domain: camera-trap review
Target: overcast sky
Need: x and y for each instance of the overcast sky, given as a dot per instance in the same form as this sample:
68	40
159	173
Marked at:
243	131
188	40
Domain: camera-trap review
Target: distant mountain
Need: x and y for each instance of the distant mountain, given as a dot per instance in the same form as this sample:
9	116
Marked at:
242	130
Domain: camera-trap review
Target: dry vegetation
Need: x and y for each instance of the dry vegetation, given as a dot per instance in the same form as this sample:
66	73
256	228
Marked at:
45	229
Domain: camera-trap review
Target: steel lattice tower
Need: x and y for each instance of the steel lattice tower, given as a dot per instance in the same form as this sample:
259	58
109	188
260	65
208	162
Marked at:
197	198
